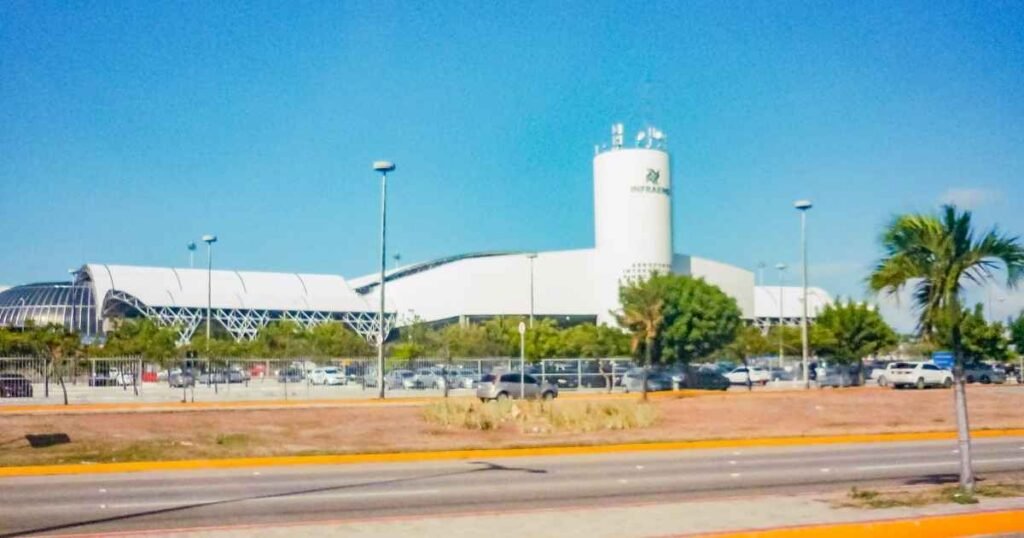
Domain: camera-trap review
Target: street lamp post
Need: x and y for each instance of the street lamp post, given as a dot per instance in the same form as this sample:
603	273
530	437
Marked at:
191	246
803	206
383	167
522	360
782	271
209	239
532	257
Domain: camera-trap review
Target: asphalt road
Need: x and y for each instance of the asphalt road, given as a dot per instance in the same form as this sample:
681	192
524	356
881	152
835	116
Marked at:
166	500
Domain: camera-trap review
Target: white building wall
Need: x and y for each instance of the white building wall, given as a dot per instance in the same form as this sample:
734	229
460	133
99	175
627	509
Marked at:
734	281
496	286
632	220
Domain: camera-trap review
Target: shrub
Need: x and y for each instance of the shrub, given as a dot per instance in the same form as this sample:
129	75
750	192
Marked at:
541	417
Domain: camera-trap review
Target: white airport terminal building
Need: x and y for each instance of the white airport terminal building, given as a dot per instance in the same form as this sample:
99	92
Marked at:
632	239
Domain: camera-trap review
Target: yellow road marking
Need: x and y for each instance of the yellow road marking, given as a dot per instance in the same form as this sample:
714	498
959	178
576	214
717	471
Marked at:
973	524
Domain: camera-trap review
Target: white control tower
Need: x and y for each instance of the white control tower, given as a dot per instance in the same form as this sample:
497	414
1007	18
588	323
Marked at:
632	214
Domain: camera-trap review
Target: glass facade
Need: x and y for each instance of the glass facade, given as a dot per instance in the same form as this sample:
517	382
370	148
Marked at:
70	305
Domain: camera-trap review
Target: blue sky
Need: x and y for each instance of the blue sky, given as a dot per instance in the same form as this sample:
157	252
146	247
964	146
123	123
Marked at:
131	128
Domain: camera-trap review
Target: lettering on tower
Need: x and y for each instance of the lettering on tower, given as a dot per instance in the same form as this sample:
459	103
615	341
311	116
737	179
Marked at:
652	184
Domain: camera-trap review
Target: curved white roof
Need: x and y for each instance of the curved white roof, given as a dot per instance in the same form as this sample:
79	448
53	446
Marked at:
165	286
766	301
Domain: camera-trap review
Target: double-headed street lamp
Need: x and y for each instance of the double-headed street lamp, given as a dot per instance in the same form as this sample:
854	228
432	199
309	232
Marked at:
803	206
209	239
383	167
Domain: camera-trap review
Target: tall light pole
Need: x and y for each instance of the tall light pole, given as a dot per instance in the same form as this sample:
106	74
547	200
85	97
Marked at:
532	256
782	271
209	239
191	246
383	167
803	206
71	296
522	360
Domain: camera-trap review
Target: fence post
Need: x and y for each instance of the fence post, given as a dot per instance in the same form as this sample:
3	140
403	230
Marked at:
579	374
543	371
46	377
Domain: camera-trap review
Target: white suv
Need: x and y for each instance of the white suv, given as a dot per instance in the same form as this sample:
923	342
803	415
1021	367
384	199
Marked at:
327	376
917	374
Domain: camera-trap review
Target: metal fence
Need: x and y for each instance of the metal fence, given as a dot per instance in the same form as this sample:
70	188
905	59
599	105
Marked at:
113	379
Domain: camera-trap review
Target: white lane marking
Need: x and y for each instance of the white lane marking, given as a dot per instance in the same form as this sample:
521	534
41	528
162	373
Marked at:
640	467
623	481
933	464
955	451
825	469
103	490
736	453
279	499
732	462
735	475
103	506
255	473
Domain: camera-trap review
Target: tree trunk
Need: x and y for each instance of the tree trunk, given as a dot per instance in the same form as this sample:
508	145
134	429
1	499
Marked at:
963	430
649	353
63	388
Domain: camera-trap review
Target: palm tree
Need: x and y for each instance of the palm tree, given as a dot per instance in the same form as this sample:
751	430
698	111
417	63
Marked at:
642	315
938	254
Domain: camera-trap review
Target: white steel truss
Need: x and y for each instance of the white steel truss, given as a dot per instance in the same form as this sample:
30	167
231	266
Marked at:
245	323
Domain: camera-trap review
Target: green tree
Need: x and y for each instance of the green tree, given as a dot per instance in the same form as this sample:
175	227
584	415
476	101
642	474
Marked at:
140	337
849	332
937	254
1017	333
981	339
279	339
58	346
337	340
700	318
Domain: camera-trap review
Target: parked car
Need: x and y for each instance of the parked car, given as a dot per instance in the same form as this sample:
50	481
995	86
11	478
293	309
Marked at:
290	375
469	380
14	385
507	385
328	375
758	376
656	381
428	378
703	380
400	379
178	379
983	373
780	374
213	377
919	375
836	376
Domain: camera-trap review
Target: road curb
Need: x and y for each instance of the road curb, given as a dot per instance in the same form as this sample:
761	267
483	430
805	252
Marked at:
447	455
970	524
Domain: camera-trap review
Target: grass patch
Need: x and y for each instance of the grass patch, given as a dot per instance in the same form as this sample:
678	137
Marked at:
232	440
874	499
541	417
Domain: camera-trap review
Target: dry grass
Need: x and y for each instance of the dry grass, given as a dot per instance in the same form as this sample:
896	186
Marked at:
873	499
541	417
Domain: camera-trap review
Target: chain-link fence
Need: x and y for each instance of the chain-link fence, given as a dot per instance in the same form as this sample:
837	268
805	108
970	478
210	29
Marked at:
251	378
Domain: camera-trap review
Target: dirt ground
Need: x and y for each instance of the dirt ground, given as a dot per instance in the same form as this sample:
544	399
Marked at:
168	435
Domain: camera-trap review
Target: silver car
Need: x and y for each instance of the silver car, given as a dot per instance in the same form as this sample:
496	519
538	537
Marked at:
504	386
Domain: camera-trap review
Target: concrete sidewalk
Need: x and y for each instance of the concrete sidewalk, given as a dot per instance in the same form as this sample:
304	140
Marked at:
780	515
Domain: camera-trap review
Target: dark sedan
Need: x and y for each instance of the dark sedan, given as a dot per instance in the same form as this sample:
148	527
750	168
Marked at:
14	386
